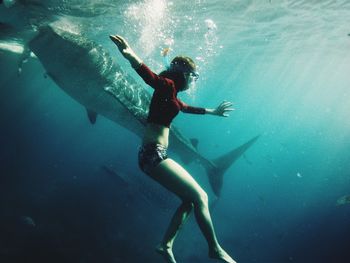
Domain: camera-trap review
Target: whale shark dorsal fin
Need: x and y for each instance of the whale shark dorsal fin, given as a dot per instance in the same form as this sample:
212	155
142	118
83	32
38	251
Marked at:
91	115
194	142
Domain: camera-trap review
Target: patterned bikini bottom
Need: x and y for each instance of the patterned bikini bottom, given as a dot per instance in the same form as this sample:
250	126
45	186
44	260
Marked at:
150	155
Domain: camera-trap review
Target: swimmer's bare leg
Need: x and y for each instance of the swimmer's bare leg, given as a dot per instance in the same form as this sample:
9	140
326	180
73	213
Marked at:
219	253
179	218
176	179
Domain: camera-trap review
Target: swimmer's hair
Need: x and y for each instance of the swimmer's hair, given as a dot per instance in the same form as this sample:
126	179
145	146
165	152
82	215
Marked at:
182	64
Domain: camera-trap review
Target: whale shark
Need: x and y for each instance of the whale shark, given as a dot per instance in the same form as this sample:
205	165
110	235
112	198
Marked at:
87	73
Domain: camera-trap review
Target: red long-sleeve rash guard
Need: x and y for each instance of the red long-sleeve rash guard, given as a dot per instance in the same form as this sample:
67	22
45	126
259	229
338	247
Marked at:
164	104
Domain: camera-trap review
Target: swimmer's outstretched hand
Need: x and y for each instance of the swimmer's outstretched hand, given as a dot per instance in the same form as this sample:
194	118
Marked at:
126	50
122	45
223	109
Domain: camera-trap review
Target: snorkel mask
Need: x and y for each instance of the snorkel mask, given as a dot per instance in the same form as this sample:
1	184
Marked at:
186	66
193	76
181	64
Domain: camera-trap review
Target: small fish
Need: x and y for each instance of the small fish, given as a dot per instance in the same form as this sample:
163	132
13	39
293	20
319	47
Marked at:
165	51
8	3
28	221
343	200
165	55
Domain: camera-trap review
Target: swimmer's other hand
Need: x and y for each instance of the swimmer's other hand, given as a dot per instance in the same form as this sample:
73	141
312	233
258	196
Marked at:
223	109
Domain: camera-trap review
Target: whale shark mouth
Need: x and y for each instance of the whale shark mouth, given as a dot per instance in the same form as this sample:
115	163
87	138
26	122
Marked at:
13	47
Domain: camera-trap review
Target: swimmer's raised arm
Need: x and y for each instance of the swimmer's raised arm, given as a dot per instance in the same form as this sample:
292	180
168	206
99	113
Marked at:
221	110
126	51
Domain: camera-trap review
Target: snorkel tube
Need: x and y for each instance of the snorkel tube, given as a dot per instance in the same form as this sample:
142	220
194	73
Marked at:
165	55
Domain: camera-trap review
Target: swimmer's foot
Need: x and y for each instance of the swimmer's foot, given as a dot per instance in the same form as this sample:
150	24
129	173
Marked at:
166	252
221	254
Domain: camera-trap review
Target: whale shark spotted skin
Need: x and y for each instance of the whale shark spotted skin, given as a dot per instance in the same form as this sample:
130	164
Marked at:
87	73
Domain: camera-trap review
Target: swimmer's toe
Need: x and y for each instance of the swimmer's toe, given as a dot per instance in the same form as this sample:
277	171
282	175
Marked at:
167	253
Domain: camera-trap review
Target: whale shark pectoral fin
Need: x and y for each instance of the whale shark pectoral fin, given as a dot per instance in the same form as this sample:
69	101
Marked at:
91	115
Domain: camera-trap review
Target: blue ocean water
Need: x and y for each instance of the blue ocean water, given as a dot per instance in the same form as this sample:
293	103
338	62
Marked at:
72	191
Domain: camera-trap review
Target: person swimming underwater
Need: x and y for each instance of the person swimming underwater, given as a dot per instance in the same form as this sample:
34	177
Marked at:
153	158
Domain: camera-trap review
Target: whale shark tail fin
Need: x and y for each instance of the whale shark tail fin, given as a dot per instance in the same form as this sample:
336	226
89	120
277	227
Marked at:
222	163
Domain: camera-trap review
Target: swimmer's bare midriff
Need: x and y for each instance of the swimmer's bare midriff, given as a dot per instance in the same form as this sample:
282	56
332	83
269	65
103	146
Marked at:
156	133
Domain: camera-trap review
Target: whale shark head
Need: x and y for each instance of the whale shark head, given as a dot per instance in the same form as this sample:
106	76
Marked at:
71	59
